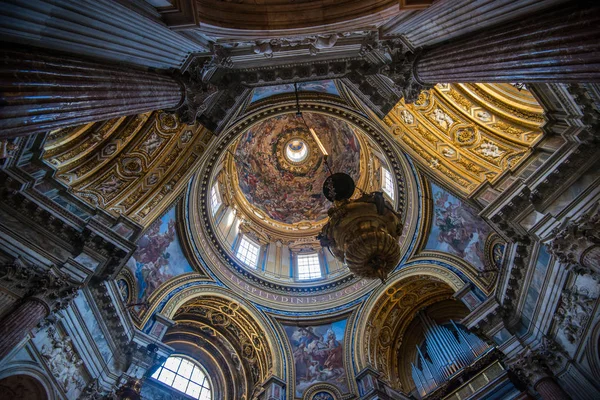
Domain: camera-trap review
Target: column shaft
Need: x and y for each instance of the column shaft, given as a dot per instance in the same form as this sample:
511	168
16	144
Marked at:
42	92
449	19
550	390
561	45
16	324
101	29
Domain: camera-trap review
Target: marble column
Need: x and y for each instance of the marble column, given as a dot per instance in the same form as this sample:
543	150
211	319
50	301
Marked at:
42	91
42	292
449	19
15	325
558	45
531	367
103	29
550	390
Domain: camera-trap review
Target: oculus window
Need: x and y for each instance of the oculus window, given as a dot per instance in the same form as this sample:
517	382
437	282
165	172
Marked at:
248	252
309	266
185	376
296	150
215	199
387	183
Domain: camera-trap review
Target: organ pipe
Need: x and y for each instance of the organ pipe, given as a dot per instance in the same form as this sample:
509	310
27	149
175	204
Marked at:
449	350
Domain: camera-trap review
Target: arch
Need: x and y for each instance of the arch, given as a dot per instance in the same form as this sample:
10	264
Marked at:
185	296
404	291
457	266
37	385
325	388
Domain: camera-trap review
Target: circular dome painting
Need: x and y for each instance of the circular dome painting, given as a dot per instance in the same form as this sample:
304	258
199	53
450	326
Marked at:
281	169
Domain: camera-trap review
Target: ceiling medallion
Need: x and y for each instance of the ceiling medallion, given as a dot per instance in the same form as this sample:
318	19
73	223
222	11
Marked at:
363	233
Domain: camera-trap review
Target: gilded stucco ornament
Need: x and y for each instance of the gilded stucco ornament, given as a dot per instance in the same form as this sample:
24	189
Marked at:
363	233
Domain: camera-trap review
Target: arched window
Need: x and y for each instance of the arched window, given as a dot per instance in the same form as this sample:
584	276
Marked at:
186	376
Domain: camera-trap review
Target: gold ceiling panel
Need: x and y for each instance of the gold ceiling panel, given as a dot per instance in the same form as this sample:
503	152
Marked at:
134	166
468	134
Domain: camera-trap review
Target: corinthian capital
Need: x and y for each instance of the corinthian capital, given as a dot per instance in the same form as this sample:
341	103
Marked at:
197	90
530	367
577	243
401	70
48	285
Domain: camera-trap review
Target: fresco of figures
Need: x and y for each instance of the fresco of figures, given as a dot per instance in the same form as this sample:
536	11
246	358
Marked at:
327	86
318	355
457	229
158	257
283	195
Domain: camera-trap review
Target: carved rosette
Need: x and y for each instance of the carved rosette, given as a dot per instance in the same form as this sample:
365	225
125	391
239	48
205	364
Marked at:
364	234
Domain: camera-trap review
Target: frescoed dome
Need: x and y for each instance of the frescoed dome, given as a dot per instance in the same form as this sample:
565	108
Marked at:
281	169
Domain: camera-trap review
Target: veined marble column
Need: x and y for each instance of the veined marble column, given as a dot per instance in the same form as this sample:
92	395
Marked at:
559	45
43	92
102	29
550	390
449	19
43	292
15	325
531	368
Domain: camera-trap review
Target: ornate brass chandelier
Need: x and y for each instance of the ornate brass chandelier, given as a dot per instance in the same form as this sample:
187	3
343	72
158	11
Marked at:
363	233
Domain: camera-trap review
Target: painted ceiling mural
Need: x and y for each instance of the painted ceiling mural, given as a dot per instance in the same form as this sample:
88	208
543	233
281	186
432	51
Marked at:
318	352
158	258
457	229
327	86
288	191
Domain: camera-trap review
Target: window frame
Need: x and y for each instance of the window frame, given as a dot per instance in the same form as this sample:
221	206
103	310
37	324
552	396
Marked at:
385	174
306	255
242	238
205	385
215	189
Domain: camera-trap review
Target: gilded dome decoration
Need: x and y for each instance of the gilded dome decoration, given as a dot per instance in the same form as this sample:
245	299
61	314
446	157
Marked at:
280	169
274	262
